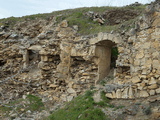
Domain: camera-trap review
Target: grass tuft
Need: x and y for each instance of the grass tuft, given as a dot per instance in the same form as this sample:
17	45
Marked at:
32	103
82	107
35	103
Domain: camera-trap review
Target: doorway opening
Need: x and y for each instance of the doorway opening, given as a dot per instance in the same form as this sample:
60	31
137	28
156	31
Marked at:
106	51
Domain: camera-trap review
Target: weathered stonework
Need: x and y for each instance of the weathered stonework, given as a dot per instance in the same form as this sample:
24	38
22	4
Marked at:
63	65
138	63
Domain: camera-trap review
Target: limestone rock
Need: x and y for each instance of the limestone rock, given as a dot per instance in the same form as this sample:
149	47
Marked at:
97	96
118	93
113	94
153	86
156	63
53	86
42	36
63	97
71	90
69	98
152	81
64	24
132	32
109	95
140	55
35	47
158	90
59	62
136	79
131	92
152	92
143	94
125	93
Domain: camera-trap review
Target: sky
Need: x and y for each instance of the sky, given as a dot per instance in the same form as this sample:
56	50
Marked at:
18	8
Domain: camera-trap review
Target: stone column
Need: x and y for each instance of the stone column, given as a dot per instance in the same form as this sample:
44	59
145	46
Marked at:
25	59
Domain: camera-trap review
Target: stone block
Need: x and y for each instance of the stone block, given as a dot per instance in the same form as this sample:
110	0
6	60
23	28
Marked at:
121	49
109	95
69	98
158	90
152	92
155	54
137	62
136	79
153	86
114	94
97	96
148	63
71	90
118	93
41	36
44	58
35	47
140	54
152	81
143	94
63	97
53	86
125	93
131	93
140	87
156	63
146	45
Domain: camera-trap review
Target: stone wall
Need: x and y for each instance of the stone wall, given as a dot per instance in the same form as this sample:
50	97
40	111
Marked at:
138	64
55	62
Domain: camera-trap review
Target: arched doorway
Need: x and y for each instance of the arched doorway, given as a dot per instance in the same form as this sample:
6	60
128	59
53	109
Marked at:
103	52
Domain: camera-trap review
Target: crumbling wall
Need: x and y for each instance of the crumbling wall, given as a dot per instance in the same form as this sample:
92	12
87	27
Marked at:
138	64
55	62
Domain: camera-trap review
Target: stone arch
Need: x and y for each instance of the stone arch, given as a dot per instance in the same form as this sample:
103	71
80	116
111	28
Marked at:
104	43
31	54
103	52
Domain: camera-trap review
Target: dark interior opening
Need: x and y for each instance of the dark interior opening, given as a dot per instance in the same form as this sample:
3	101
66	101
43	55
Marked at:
2	62
77	60
114	56
55	59
33	55
123	70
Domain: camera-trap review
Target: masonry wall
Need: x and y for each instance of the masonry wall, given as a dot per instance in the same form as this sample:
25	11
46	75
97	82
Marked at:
59	64
138	64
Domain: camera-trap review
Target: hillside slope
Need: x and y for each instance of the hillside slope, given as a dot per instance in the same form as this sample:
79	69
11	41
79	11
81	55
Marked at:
47	60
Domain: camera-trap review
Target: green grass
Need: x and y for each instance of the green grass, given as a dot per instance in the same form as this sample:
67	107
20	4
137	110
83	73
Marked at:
35	103
32	103
75	17
82	107
12	105
105	101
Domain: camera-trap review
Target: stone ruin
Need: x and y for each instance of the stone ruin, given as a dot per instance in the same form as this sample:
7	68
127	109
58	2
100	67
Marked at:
60	64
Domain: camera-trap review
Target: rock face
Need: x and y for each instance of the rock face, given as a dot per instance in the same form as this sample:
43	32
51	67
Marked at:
54	61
